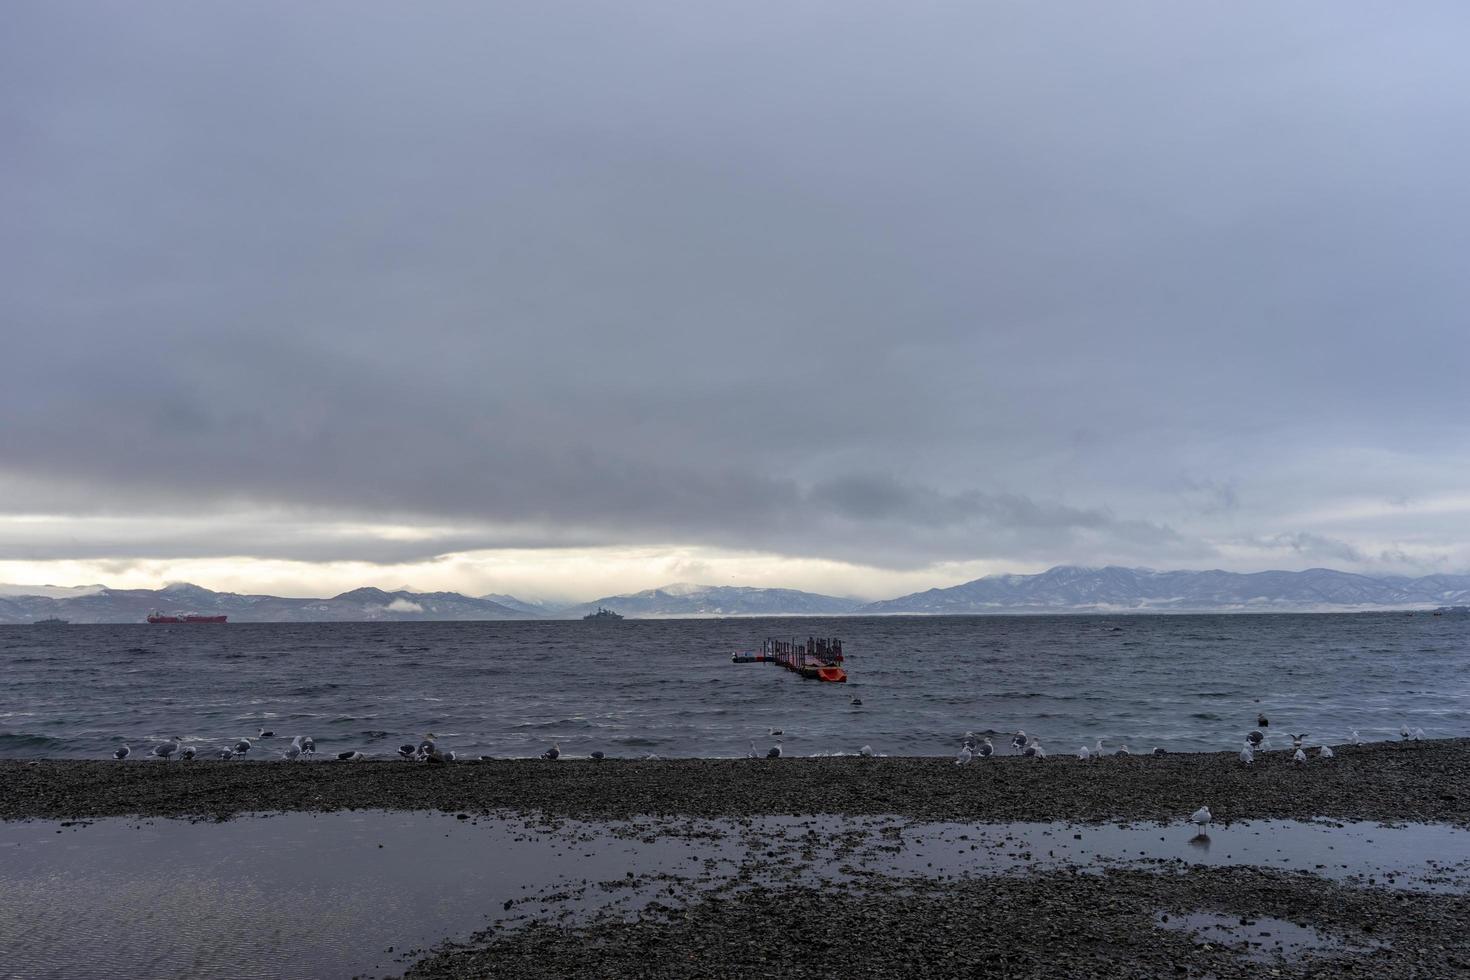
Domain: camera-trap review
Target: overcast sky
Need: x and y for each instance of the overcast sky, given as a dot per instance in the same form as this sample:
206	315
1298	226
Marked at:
566	299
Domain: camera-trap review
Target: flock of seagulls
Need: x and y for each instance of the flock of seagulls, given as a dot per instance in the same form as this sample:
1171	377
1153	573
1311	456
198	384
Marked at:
972	746
301	747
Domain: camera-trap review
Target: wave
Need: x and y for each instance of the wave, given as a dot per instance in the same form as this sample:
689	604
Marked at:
15	741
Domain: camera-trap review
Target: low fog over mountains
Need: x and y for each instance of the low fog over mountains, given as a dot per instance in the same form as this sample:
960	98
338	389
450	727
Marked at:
1060	590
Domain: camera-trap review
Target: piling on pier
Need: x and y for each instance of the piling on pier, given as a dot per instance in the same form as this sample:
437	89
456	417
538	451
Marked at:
819	658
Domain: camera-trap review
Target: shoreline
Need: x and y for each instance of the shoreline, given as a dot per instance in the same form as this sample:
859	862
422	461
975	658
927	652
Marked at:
1381	781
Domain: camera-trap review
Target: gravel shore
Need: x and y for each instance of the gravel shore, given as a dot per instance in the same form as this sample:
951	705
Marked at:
1064	924
1386	781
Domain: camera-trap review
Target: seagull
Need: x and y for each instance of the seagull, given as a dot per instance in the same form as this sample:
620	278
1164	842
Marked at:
1034	749
427	745
349	756
188	753
1123	751
1296	740
1018	741
1262	720
242	746
752	754
1357	740
1256	738
225	754
1418	734
407	751
1404	732
122	753
1159	751
1097	750
774	752
1201	818
308	745
866	751
164	750
598	755
857	702
1325	752
963	756
263	733
293	752
986	750
553	753
1084	753
1246	755
1299	756
436	758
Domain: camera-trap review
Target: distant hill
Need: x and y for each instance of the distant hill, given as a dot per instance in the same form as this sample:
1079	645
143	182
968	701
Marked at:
1112	589
106	605
1059	590
532	609
716	600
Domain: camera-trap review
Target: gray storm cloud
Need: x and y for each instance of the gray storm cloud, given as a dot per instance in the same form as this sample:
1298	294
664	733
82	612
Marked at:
1129	283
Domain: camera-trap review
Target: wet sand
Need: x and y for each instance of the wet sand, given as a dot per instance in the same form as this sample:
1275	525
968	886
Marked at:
1385	781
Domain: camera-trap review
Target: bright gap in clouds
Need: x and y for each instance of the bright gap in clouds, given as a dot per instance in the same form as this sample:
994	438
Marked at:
540	574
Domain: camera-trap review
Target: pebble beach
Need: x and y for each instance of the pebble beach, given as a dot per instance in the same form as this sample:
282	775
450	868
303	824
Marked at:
771	914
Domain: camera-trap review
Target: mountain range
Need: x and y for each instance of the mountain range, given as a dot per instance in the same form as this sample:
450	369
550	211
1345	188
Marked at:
1064	589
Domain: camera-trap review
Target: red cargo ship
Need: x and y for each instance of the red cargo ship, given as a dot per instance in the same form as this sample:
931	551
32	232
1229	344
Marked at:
158	617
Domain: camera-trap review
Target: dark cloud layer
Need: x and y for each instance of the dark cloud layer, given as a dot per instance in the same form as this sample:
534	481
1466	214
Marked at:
1114	283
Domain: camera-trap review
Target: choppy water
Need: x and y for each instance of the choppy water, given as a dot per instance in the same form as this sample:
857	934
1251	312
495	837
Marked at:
667	687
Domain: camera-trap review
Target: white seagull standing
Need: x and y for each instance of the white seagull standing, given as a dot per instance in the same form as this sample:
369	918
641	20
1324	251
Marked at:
866	751
164	750
964	755
986	750
1357	739
1325	752
1404	732
242	746
1201	818
188	753
1084	753
1097	750
1018	741
1299	756
1246	755
1418	734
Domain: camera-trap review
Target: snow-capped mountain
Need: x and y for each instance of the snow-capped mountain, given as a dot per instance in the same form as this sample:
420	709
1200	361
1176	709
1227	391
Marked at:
683	599
1071	589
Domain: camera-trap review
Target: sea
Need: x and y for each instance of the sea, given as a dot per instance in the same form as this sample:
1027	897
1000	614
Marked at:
668	688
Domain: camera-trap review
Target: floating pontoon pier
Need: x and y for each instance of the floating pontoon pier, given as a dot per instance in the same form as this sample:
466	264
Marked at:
818	659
